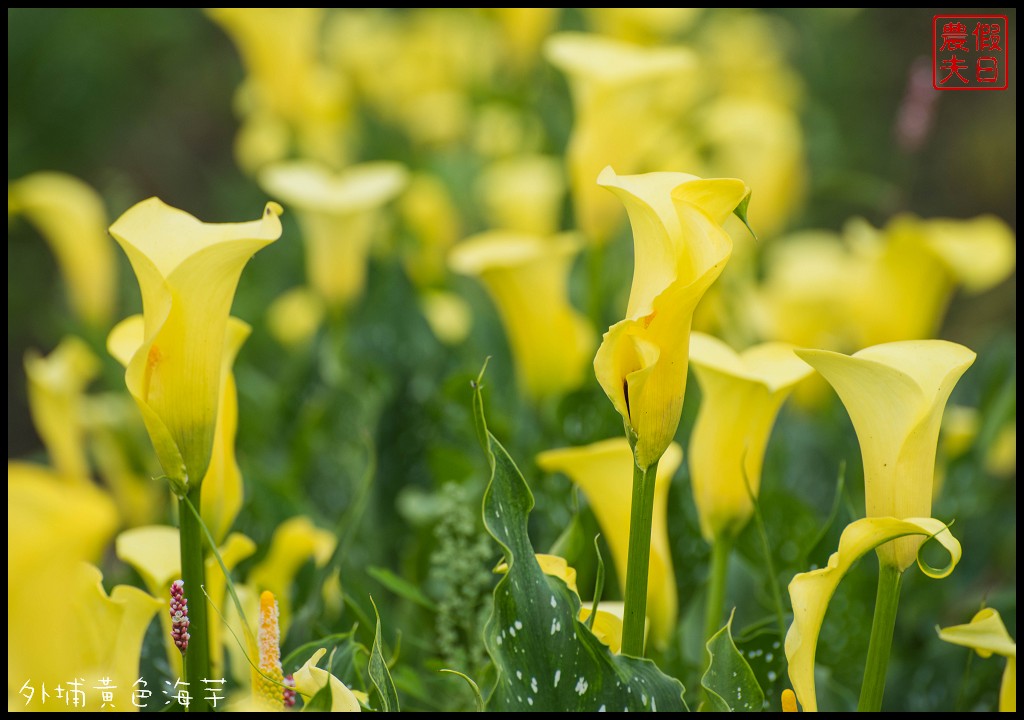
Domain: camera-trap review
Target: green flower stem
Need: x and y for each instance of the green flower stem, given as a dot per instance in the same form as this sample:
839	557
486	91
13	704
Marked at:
886	602
638	560
197	666
715	603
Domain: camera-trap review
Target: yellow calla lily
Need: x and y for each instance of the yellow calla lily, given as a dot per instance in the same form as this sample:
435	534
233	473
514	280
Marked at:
811	592
295	315
680	249
741	395
153	552
615	85
222	491
429	212
641	25
309	680
72	219
449	316
895	394
294	542
56	393
986	634
188	271
602	470
523	193
523	30
528	278
290	95
340	215
55	599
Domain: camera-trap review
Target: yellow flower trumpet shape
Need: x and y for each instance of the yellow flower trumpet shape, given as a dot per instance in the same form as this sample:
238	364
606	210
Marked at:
741	396
986	634
811	592
56	396
602	470
72	219
340	215
309	680
895	394
222	491
680	249
616	85
528	278
188	271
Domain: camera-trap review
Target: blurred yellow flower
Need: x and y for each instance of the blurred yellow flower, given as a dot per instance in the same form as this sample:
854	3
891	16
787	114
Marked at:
895	394
188	271
833	292
56	399
72	219
523	30
340	216
810	592
986	634
291	97
295	315
62	624
615	86
602	470
449	316
644	26
523	193
429	212
741	394
528	278
680	249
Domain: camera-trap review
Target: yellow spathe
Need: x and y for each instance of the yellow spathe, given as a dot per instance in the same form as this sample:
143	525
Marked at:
187	271
528	278
741	395
56	398
340	215
987	635
309	680
617	85
71	217
895	394
604	471
811	592
680	249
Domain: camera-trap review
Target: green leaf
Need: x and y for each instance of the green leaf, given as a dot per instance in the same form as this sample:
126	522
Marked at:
729	682
598	584
401	587
321	702
478	698
380	676
545	658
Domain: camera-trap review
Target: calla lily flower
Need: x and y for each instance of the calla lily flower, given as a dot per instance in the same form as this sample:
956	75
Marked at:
429	212
986	634
524	194
222	491
680	249
188	271
528	278
741	395
56	394
855	280
72	219
309	680
55	598
615	85
811	592
291	97
895	394
153	552
646	26
340	215
295	315
602	471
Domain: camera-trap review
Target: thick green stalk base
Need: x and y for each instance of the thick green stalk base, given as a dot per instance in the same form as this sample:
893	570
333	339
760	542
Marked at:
886	603
197	657
714	606
641	515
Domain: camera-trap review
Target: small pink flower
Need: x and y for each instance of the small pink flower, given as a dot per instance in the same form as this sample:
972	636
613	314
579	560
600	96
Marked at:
179	616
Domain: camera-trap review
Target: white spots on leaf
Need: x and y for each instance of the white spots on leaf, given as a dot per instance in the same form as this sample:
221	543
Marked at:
643	699
556	625
581	686
512	631
529	700
769	657
558	676
553	602
654	705
519	674
602	709
772	676
519	625
498	639
533	685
